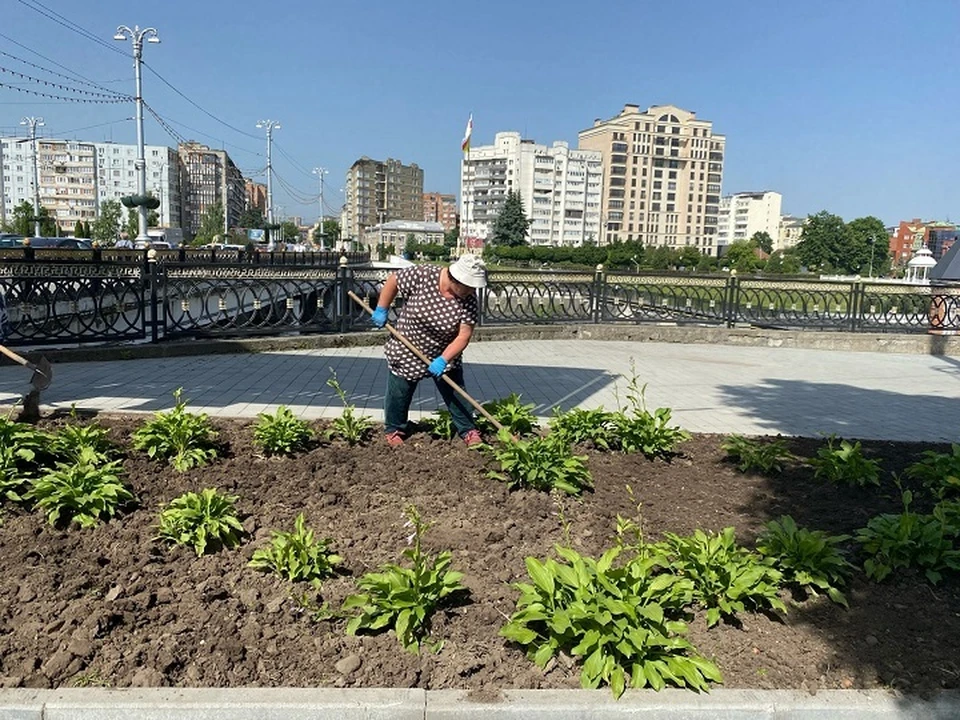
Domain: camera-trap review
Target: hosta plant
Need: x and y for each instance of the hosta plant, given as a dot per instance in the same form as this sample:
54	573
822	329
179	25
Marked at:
621	619
349	426
84	491
297	556
727	578
911	540
404	599
440	425
596	427
69	442
844	463
511	413
639	430
940	472
204	521
810	559
764	456
183	438
539	464
22	447
282	433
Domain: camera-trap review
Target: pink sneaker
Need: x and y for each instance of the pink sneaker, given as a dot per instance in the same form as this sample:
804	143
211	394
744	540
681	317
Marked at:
394	439
472	437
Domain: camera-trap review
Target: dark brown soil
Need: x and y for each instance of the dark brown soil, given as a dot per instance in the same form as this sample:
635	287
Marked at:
112	606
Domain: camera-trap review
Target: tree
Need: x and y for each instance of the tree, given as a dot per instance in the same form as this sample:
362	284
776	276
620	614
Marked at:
662	258
868	238
107	224
742	256
78	229
707	263
510	227
689	257
289	232
825	244
451	237
87	231
23	221
251	218
783	262
211	225
761	239
133	221
328	235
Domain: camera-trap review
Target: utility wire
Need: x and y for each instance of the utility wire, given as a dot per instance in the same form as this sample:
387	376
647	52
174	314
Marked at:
39	7
62	97
163	123
116	97
53	62
65	77
293	162
213	137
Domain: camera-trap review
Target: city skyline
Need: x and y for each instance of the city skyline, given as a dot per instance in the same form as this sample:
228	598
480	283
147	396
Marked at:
814	101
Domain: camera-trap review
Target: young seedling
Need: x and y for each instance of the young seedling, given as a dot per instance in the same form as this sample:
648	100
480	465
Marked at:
845	464
204	521
511	413
767	457
297	556
282	433
183	438
349	426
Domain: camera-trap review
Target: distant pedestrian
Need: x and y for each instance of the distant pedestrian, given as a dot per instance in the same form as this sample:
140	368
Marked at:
124	242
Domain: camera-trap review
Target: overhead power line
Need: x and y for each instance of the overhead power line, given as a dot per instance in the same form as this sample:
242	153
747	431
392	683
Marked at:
90	93
50	14
165	125
64	98
293	162
53	62
107	91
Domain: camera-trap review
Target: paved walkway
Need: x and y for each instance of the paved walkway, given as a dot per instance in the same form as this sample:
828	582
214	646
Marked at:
717	389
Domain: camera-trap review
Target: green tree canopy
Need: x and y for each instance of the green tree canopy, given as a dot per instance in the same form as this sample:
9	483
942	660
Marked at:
689	257
741	255
289	232
107	224
869	240
23	221
510	227
133	221
761	239
328	235
211	225
451	237
78	229
251	218
825	244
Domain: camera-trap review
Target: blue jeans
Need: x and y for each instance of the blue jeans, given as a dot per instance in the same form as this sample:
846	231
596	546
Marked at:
400	393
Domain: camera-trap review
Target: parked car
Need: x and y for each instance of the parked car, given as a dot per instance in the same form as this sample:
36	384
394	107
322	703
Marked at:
10	240
61	243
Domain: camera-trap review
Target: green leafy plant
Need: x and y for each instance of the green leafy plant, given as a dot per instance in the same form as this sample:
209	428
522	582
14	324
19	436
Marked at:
639	430
403	598
85	491
297	556
845	464
727	578
622	620
183	438
349	426
810	559
540	464
204	520
21	448
71	440
940	472
511	413
911	540
440	425
763	456
581	427
282	433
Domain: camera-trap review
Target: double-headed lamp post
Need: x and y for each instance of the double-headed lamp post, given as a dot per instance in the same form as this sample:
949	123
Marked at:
320	172
137	36
34	123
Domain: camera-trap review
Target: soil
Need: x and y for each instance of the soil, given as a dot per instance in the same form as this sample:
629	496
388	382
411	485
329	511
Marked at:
113	606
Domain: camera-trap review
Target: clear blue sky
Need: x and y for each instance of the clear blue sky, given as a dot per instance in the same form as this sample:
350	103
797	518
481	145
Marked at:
845	105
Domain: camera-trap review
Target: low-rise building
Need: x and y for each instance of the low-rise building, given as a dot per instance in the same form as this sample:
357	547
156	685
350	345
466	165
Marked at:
790	232
911	235
400	232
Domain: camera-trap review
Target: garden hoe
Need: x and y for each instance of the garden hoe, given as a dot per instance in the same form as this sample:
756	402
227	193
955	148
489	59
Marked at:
416	351
40	380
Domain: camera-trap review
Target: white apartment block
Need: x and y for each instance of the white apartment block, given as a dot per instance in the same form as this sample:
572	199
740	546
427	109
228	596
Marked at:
77	177
791	230
744	214
663	171
560	188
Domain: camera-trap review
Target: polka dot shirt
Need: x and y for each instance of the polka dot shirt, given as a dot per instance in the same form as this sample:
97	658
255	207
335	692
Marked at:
428	320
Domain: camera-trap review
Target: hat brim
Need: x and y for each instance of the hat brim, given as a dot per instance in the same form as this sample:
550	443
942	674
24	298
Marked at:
475	283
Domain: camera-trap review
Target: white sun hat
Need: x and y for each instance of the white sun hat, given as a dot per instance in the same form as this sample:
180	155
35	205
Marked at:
469	270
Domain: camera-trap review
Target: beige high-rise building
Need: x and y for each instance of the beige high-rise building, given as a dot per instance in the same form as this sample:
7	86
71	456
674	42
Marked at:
378	192
663	169
209	177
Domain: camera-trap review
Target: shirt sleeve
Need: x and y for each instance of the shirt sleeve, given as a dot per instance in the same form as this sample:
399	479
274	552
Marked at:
409	280
470	313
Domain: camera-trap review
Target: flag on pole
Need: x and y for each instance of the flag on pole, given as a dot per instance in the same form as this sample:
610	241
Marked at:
465	145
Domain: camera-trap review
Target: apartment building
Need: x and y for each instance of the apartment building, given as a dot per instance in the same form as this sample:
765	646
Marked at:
398	233
207	177
561	189
440	208
663	170
791	230
910	235
256	196
117	177
744	214
377	192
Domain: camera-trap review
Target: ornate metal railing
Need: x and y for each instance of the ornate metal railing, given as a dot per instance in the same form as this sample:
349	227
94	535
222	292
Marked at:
67	297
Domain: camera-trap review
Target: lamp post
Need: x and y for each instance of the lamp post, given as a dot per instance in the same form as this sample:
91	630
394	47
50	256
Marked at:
873	245
269	126
34	123
137	36
320	172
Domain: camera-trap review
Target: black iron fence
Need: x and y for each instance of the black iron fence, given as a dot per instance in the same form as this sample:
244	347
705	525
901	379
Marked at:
65	297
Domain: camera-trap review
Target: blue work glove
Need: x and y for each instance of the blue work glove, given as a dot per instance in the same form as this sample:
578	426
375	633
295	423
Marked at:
437	366
379	317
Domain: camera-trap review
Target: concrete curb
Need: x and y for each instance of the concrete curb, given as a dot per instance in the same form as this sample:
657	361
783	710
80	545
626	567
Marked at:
415	704
920	343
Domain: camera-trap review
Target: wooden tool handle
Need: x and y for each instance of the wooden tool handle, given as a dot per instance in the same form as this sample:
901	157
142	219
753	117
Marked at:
16	358
416	351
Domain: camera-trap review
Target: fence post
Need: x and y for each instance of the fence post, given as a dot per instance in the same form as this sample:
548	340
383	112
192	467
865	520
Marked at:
599	294
344	280
856	305
731	299
152	279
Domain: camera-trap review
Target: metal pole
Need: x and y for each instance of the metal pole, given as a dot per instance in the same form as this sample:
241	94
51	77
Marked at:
269	126
34	123
873	245
137	36
320	172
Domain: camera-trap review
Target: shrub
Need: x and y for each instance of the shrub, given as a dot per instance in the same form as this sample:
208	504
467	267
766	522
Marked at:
440	425
201	520
21	447
540	464
810	559
297	556
621	620
349	426
281	433
727	578
580	427
405	599
85	491
71	440
940	472
511	413
911	540
765	457
183	438
845	464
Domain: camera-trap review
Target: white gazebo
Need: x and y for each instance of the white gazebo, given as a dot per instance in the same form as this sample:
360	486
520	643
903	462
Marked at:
920	265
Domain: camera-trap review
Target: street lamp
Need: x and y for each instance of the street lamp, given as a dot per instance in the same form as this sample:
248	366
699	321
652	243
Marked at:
873	245
269	126
320	172
34	123
137	36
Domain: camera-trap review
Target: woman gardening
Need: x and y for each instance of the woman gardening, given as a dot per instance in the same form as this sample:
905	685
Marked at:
438	318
